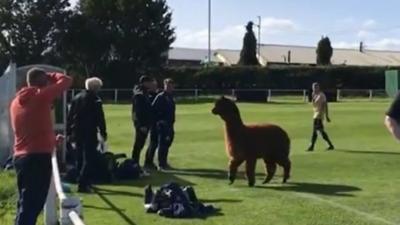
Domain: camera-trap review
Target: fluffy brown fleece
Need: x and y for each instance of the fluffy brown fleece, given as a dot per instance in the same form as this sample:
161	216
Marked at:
251	142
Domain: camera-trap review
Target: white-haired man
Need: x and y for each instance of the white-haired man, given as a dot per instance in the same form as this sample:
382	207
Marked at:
85	120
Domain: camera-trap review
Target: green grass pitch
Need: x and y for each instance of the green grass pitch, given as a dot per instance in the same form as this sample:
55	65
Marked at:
358	184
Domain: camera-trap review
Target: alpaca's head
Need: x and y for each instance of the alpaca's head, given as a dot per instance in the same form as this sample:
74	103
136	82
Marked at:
225	108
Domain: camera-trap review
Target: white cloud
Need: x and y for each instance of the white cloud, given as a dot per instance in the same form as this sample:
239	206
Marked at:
276	25
365	34
386	44
369	24
231	36
344	44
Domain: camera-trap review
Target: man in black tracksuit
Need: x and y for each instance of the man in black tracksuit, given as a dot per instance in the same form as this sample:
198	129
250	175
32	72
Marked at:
85	120
149	161
142	115
164	107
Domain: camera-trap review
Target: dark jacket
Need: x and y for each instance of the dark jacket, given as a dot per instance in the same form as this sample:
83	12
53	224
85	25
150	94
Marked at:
86	115
164	108
142	112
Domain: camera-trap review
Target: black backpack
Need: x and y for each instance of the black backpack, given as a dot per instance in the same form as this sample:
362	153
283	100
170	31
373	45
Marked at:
128	169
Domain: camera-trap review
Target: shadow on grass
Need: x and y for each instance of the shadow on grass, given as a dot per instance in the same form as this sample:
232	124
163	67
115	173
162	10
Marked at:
155	179
113	192
221	200
367	152
314	188
100	208
114	207
208	173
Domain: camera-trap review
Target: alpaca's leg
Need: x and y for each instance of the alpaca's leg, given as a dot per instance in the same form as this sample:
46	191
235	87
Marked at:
270	169
250	171
233	167
286	169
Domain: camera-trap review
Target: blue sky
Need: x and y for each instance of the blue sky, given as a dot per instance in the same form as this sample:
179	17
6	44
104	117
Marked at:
299	22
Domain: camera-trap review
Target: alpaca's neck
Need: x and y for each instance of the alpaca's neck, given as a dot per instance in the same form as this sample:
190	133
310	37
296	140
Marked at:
234	125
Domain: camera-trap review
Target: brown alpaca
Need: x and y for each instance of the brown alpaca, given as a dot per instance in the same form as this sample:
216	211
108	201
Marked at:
251	142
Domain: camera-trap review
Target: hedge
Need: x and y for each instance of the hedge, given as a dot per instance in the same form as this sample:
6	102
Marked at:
281	77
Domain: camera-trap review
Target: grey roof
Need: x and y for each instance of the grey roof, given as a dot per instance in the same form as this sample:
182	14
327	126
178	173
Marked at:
307	55
189	54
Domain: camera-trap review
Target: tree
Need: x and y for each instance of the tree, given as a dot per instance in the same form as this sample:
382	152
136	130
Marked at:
248	55
324	51
135	35
31	27
84	46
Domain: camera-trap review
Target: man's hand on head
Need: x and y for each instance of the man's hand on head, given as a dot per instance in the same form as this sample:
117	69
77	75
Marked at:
59	139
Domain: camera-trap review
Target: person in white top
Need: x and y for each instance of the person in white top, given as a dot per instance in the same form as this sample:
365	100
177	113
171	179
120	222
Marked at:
320	106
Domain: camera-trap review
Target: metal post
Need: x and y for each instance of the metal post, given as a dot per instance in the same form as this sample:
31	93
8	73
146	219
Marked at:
233	93
370	95
115	96
269	95
209	33
64	127
259	36
338	95
305	96
196	94
73	93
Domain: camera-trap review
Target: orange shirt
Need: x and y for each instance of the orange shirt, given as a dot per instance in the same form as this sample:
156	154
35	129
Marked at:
31	117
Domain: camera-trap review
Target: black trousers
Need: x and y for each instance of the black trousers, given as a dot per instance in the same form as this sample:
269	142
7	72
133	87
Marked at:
33	181
140	140
151	150
86	147
166	135
318	126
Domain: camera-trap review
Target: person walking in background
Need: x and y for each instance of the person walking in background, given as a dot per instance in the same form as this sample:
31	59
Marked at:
142	116
149	161
85	120
392	118
35	140
164	107
320	106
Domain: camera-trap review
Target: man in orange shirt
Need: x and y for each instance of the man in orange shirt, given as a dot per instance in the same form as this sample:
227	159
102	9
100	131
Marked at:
35	140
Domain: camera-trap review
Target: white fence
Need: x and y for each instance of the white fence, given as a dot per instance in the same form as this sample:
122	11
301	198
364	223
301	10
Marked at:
69	209
267	95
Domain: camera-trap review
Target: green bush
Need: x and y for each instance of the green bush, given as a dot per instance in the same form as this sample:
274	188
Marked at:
283	77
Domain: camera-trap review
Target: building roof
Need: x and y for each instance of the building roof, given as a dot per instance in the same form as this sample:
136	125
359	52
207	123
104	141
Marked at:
189	54
307	55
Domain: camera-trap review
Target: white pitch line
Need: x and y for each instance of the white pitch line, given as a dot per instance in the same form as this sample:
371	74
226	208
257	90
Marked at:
368	216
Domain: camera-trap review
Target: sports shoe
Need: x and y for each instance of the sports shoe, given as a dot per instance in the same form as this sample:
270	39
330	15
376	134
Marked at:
331	148
150	166
165	167
310	149
144	173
